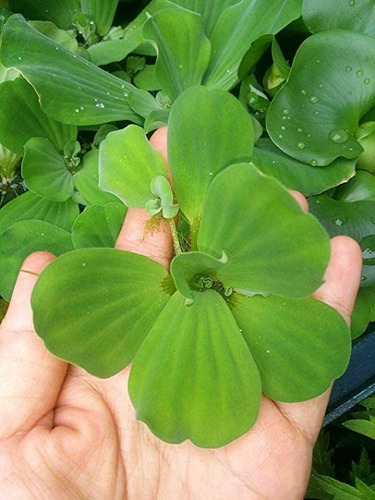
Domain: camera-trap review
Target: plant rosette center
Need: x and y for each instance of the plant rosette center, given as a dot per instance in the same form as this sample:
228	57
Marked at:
234	317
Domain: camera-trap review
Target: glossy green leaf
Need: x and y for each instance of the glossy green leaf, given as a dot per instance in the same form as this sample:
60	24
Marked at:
94	307
208	130
194	271
60	12
328	91
253	55
182	47
366	138
340	490
127	165
143	103
194	377
101	12
356	219
70	88
147	79
21	118
293	174
86	180
361	187
20	240
297	355
45	172
368	255
65	38
320	15
362	312
271	244
31	206
365	427
98	226
240	25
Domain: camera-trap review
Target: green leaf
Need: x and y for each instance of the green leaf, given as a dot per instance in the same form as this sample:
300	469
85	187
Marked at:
127	165
340	490
182	47
328	91
208	130
62	37
253	55
45	172
368	255
31	206
3	309
194	377
60	12
86	180
143	103
361	315
21	119
194	271
71	89
271	244
20	240
320	15
98	226
94	307
147	79
361	187
364	427
101	12
296	175
240	25
355	219
290	337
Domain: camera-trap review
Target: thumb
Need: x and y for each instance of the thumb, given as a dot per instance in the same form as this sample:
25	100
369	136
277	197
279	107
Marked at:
154	241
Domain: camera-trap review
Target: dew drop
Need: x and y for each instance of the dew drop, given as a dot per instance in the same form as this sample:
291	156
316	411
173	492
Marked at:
350	93
303	92
268	351
309	135
351	3
363	278
286	111
280	136
283	127
284	117
301	145
320	86
300	129
348	69
338	136
313	163
366	81
316	112
76	110
318	61
82	108
359	73
20	58
314	99
83	264
338	222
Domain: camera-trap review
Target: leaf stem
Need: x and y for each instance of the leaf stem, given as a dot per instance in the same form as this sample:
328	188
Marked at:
176	241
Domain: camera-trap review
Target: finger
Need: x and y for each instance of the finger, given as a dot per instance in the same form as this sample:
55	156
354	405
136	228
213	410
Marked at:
30	376
342	279
301	199
138	234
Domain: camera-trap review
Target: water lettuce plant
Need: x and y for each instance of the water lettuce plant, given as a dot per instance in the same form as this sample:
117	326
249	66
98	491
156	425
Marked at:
258	97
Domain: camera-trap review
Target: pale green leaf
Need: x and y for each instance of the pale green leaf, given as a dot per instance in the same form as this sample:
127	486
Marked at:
60	12
101	12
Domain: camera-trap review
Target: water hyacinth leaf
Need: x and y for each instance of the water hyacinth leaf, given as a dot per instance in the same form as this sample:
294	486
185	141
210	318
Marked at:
147	79
362	312
71	89
94	307
31	206
361	187
305	340
273	247
127	165
193	271
307	179
86	180
320	15
60	12
240	25
179	65
21	118
355	219
253	55
204	386
367	245
45	172
208	130
23	238
328	91
98	226
101	12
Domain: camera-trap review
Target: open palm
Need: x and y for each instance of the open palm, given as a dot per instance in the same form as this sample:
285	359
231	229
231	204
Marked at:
67	434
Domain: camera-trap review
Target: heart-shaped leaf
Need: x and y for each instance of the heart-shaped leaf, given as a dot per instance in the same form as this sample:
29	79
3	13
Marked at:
98	226
94	307
298	357
194	377
307	179
271	244
70	88
320	15
101	12
180	64
31	206
23	238
208	130
21	119
361	187
45	172
328	91
60	12
127	165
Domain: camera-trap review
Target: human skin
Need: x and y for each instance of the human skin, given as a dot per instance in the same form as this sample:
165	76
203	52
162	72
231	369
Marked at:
65	434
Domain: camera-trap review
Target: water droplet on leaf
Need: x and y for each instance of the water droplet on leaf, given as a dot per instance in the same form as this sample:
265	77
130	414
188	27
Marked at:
313	163
359	73
338	136
348	69
301	145
314	99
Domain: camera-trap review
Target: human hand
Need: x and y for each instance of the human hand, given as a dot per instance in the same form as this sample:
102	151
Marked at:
67	434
